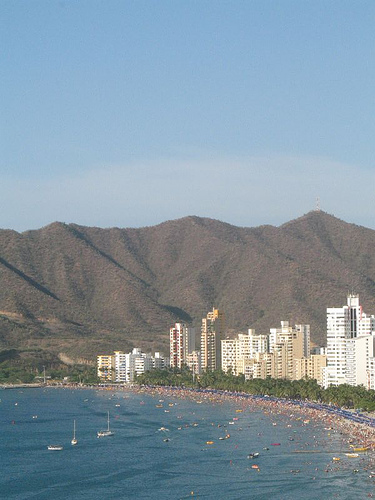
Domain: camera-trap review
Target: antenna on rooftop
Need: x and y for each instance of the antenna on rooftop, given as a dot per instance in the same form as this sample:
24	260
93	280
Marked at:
317	204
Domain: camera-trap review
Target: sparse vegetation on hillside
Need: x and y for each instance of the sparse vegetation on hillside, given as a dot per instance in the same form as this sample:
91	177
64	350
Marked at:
83	291
27	366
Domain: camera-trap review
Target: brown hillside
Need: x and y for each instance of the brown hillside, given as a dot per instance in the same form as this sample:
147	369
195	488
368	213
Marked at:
82	290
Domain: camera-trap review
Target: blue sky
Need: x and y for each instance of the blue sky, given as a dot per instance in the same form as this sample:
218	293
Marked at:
121	113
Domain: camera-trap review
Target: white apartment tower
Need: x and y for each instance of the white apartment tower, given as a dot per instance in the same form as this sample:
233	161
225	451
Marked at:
123	367
236	352
350	344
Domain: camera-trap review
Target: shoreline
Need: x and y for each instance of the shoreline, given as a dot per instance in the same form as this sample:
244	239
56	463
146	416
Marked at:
355	434
356	438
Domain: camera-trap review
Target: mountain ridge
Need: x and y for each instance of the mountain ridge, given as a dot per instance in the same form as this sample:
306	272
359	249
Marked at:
80	290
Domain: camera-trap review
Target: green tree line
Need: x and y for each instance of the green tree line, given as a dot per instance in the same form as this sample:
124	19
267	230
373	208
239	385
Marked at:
343	395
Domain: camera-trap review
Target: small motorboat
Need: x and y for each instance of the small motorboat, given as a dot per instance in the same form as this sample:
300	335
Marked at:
253	455
55	447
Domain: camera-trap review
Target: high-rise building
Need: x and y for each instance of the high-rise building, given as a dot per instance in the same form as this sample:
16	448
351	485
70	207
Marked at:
193	362
288	343
311	367
305	330
244	347
123	367
105	367
261	365
230	355
350	344
212	332
159	361
181	343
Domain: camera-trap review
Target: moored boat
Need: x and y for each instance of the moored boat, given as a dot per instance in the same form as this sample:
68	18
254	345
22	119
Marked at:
55	447
74	440
106	432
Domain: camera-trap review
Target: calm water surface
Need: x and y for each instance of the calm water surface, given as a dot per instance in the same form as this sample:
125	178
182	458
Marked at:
136	463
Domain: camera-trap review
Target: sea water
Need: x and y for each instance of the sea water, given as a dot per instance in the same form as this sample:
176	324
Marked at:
143	462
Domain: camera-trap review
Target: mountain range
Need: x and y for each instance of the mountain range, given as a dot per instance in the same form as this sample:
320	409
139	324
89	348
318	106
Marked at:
80	291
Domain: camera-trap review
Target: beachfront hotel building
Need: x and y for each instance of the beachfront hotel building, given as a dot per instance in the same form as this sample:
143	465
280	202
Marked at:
262	356
261	365
350	344
212	333
105	367
310	367
181	344
123	367
245	347
193	362
287	344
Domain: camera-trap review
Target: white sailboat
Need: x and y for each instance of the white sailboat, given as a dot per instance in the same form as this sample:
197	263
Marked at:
74	441
107	432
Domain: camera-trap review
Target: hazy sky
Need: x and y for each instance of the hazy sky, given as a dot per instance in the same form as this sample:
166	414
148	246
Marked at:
122	113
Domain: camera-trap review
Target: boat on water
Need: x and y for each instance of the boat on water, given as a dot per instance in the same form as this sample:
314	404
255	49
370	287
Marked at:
106	432
55	447
253	455
361	448
227	436
352	455
74	441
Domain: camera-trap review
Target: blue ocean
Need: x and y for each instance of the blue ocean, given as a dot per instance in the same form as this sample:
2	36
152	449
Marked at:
167	449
